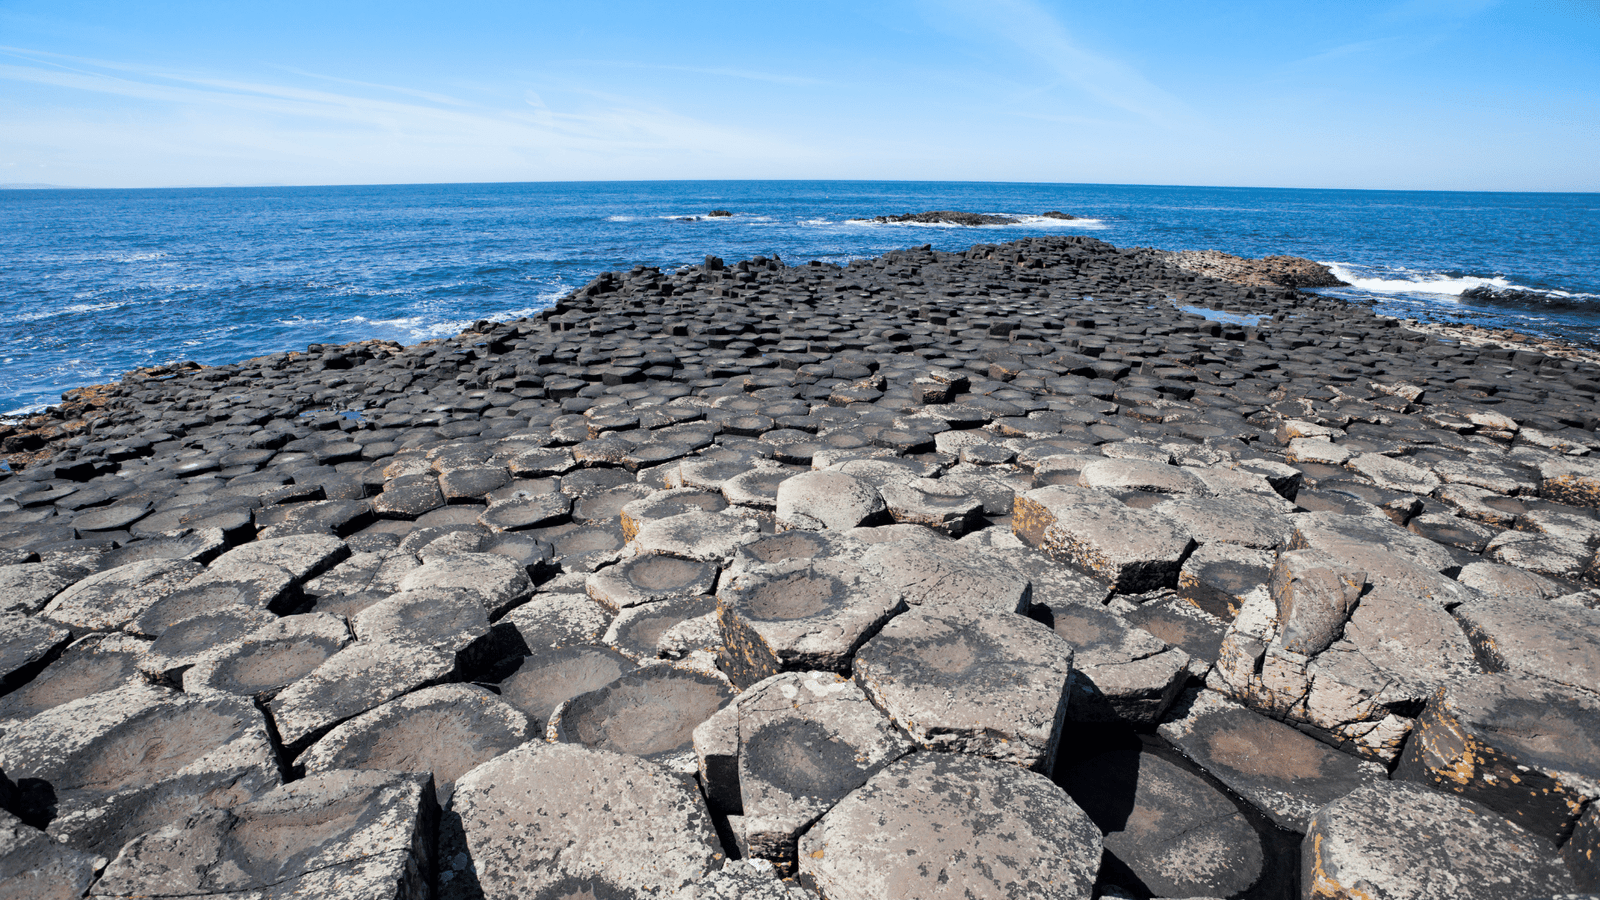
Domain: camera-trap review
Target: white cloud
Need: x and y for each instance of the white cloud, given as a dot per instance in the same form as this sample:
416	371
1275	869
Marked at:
1031	28
204	122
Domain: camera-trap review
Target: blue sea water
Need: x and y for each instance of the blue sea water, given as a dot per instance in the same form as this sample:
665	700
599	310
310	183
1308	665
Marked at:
96	282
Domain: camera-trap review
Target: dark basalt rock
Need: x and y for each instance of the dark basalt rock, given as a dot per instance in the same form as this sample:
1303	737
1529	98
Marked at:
946	217
1371	546
650	713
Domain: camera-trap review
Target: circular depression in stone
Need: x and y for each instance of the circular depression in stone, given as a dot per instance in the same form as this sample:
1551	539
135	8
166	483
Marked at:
789	545
673	506
444	740
272	665
650	713
72	678
541	683
798	595
579	541
804	759
209	630
664	574
154	746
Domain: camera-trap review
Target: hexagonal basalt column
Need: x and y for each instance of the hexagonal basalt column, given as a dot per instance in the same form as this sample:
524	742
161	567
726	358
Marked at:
800	614
989	683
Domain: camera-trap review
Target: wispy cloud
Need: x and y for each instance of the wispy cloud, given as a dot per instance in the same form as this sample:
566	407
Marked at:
385	126
1032	29
742	74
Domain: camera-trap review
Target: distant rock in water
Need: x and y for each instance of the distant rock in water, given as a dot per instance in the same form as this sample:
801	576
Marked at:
718	213
947	217
953	217
1269	271
1487	295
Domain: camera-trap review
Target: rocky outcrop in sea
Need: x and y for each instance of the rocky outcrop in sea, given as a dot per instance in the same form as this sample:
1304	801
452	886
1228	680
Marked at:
985	574
1268	271
954	217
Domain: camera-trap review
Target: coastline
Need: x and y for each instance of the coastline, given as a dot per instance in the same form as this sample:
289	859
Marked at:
994	523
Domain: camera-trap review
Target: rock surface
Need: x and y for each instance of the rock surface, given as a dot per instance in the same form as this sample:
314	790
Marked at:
1301	542
924	827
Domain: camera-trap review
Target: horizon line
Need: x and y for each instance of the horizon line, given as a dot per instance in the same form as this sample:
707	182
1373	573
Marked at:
30	187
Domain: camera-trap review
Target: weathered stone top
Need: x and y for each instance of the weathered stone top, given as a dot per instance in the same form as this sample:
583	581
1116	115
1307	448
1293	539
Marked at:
1002	539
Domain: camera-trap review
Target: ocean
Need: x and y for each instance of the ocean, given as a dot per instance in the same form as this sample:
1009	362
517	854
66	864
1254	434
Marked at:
96	282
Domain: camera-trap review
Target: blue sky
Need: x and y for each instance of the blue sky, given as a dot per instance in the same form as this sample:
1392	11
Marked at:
1417	94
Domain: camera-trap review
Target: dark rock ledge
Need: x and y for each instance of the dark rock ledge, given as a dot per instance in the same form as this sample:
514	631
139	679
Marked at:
984	574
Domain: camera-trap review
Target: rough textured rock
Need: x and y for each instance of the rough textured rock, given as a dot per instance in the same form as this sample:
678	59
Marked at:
806	739
1281	271
109	600
1524	748
88	666
26	646
940	574
832	500
498	581
1534	637
1134	550
350	682
970	681
1175	834
799	614
357	834
941	825
558	619
35	867
1284	773
442	732
27	587
1401	840
551	820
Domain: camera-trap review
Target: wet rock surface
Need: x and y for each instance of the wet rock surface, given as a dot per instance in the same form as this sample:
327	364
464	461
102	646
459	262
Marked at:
1011	507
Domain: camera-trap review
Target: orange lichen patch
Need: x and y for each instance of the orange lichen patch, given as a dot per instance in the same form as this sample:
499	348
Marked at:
1323	885
1029	521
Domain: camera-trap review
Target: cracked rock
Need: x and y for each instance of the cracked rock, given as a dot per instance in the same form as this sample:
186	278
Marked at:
806	739
1123	673
443	732
1134	549
990	683
350	682
111	599
949	825
799	614
1524	748
557	820
1396	839
347	833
